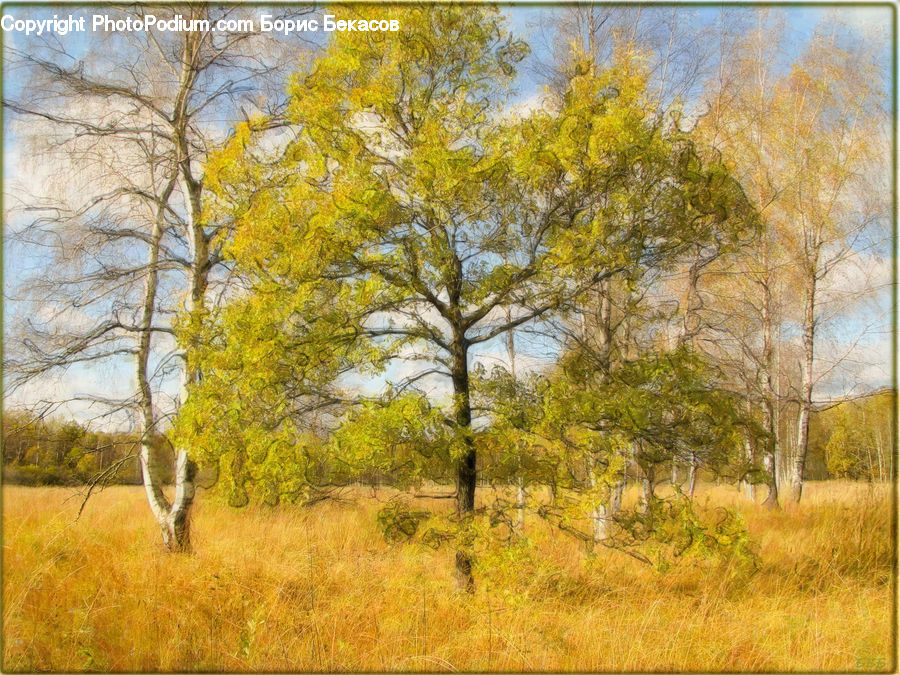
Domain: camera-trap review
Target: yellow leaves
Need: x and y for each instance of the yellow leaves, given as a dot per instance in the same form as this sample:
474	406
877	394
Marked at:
408	194
367	291
225	165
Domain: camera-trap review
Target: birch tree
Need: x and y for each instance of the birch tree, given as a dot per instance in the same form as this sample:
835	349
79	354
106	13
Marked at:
799	138
130	124
833	106
747	305
675	49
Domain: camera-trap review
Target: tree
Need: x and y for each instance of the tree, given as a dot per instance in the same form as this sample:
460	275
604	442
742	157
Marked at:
675	48
832	103
415	218
857	436
676	53
798	139
129	245
747	286
38	450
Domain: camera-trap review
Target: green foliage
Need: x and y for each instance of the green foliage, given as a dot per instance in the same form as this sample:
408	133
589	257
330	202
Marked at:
398	522
844	453
860	437
661	406
511	446
669	405
671	531
482	534
408	211
29	474
405	439
87	466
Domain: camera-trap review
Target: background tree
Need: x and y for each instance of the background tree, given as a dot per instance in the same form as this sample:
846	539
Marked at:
675	49
746	290
48	451
781	130
678	55
833	106
857	436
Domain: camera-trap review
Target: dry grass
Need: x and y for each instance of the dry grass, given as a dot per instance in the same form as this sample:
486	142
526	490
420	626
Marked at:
292	589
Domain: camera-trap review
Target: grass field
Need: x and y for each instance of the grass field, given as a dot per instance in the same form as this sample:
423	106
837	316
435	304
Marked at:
317	588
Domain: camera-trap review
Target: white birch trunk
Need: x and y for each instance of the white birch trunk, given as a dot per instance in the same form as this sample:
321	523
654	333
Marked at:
599	518
799	463
178	520
749	486
604	336
598	515
168	517
770	402
647	497
618	491
692	475
520	480
879	446
520	504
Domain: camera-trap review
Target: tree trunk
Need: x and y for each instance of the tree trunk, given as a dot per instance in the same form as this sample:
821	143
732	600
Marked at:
800	458
172	519
619	490
770	461
465	467
520	480
647	484
805	392
692	476
599	519
598	516
176	530
770	396
771	500
520	503
890	456
749	487
178	521
777	460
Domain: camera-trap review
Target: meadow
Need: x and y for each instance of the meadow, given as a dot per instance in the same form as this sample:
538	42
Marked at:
317	588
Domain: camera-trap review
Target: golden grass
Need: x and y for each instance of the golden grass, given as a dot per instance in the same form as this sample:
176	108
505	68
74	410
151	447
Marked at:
294	589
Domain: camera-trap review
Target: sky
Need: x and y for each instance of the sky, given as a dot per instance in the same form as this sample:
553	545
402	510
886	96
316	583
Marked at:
24	172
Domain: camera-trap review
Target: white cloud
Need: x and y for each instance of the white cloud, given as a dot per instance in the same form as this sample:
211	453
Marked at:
523	108
861	277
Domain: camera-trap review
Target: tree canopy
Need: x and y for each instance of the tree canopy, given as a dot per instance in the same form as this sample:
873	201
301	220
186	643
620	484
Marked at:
414	214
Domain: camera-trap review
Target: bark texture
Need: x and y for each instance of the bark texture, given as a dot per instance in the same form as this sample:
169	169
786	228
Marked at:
805	391
465	467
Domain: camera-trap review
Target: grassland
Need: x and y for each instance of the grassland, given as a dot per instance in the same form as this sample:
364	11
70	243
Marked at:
317	588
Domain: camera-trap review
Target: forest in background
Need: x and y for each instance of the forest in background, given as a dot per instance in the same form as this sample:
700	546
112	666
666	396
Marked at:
853	439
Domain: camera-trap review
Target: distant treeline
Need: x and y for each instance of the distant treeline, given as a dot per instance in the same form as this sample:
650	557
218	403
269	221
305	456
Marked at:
853	439
40	451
